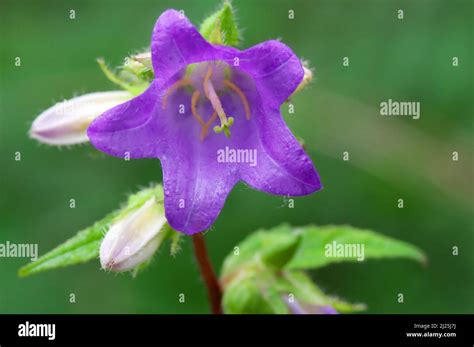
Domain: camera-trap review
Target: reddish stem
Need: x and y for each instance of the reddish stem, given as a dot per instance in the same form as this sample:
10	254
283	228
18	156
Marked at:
207	272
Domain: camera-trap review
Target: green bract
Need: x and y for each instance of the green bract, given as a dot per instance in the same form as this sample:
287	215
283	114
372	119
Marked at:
221	27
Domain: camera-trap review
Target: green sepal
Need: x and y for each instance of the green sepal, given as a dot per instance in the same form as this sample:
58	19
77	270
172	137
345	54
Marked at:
221	28
175	246
126	78
82	247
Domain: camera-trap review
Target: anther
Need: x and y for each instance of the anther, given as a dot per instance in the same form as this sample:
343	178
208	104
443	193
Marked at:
181	83
205	128
242	96
194	100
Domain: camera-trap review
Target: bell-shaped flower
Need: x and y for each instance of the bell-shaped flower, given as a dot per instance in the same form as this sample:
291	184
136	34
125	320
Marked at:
212	116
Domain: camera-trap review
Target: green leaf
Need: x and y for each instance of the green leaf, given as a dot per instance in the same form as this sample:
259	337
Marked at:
282	251
317	243
79	249
221	27
263	272
85	245
274	248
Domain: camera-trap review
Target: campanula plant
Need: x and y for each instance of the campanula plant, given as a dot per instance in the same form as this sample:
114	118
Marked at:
211	114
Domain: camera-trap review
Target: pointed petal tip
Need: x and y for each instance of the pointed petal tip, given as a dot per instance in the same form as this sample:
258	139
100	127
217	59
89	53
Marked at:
188	228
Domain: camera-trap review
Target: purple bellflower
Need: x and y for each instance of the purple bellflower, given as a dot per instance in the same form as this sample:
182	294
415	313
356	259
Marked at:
212	116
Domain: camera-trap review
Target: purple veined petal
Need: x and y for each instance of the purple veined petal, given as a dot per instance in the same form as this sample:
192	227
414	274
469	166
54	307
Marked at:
176	43
195	192
66	122
275	69
129	130
282	166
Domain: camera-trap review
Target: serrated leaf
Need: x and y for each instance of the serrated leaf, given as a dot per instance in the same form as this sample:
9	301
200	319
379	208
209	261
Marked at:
221	27
85	245
261	274
317	243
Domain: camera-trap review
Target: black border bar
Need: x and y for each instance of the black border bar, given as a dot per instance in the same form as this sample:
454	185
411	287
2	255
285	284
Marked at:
243	329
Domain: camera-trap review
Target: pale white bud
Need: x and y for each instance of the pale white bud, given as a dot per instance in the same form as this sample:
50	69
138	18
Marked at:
134	238
66	122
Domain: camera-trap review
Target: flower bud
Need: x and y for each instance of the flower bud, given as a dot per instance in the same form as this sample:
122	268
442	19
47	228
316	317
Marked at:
307	78
66	122
134	238
144	58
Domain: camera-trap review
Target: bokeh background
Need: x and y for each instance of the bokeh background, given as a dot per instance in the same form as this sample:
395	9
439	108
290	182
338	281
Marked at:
390	158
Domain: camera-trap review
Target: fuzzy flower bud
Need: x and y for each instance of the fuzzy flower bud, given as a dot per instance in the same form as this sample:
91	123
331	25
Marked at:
307	78
66	122
133	239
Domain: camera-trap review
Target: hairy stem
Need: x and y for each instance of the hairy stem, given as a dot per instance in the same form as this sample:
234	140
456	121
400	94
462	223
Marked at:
207	272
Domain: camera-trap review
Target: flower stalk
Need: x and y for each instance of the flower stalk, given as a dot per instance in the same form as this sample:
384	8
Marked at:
207	273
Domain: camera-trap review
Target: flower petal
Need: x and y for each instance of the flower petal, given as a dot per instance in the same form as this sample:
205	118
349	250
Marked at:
195	192
276	70
283	167
129	129
176	43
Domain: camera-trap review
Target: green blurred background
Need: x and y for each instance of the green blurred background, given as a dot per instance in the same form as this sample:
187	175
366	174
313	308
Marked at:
390	158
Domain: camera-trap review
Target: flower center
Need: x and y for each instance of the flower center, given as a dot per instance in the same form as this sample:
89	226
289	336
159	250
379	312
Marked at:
208	84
